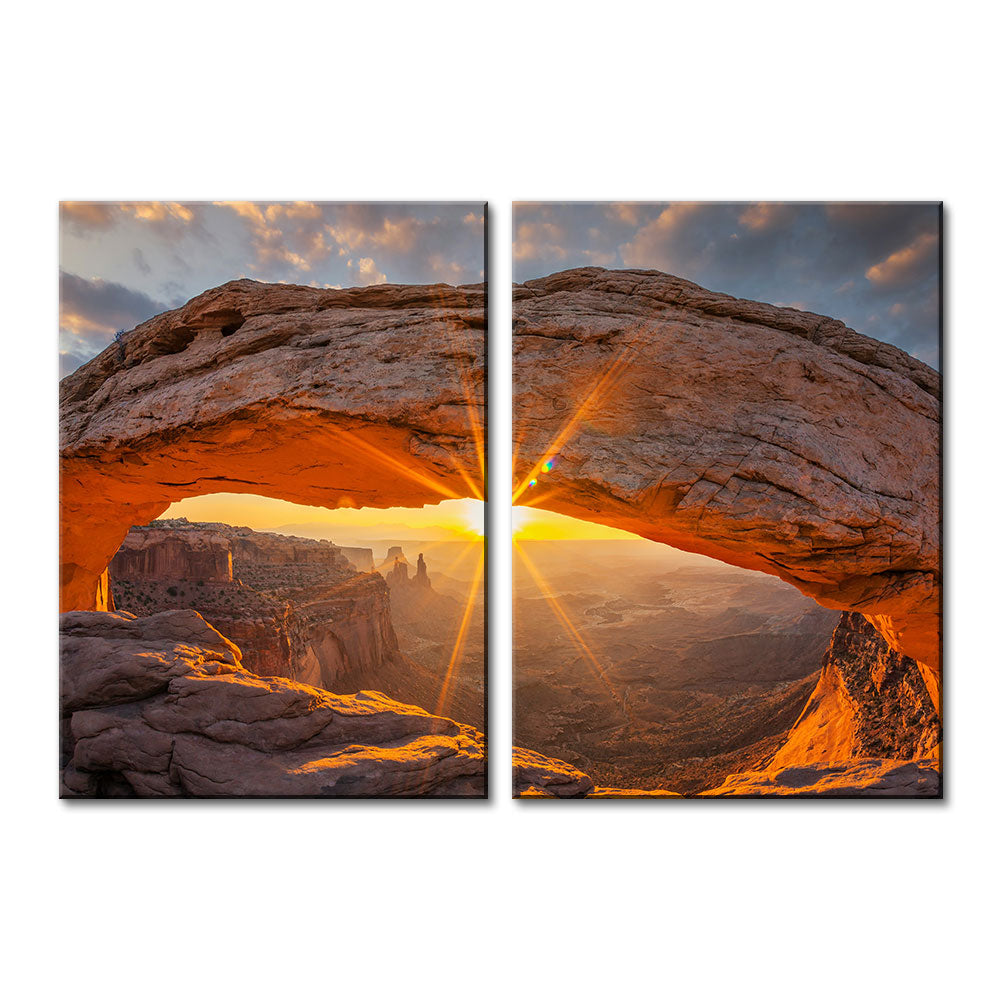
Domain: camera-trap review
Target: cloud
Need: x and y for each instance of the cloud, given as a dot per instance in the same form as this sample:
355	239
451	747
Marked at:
538	239
412	243
364	272
170	218
282	233
871	265
92	311
909	263
675	241
766	214
624	212
83	215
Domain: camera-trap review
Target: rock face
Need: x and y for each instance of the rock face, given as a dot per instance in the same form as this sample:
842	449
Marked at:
361	559
346	633
878	778
361	397
161	706
296	607
870	702
399	575
161	553
766	437
548	776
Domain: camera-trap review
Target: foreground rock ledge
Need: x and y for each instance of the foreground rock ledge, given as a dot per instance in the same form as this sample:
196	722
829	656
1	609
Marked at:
161	706
766	437
869	778
366	397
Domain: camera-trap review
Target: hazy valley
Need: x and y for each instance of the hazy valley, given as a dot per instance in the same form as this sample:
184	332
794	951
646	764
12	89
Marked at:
682	671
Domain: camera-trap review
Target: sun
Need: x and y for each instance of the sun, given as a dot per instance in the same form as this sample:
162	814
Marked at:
536	524
471	515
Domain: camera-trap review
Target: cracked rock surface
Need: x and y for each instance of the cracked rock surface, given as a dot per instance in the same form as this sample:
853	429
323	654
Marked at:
534	772
875	777
766	437
364	397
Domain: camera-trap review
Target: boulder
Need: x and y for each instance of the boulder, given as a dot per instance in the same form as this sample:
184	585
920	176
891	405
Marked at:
162	706
533	772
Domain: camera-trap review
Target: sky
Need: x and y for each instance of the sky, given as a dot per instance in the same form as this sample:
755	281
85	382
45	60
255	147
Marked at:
449	520
122	263
872	265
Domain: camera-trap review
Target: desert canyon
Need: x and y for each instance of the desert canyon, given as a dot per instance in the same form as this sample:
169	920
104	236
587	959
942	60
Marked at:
207	659
770	439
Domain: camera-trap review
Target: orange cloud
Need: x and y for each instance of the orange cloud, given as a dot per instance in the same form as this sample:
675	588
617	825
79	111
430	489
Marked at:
764	215
624	211
158	211
88	214
534	239
652	245
904	264
301	247
104	214
364	272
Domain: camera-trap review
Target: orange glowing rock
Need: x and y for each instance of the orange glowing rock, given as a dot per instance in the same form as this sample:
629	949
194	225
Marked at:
768	438
367	397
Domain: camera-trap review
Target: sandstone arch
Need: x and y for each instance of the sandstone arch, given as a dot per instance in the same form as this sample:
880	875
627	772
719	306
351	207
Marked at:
361	397
769	438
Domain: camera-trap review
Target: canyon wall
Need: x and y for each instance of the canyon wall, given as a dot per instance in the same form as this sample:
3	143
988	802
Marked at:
344	638
367	397
162	553
870	702
766	437
295	606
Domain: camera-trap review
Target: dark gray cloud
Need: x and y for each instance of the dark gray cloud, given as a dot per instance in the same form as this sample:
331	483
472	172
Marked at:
92	311
874	266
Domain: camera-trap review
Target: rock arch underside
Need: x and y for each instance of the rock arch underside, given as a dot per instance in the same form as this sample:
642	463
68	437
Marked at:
766	437
367	397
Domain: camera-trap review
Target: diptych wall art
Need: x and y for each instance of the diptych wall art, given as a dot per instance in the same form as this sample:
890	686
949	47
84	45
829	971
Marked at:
726	501
726	450
272	483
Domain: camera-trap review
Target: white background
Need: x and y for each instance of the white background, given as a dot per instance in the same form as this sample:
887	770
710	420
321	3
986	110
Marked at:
526	101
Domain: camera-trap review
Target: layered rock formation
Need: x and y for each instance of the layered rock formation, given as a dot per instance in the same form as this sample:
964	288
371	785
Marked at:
361	397
548	776
162	706
297	609
361	559
868	778
162	553
870	702
766	437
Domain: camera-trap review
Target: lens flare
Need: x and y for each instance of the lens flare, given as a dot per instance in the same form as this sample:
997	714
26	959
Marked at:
459	645
596	669
598	392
